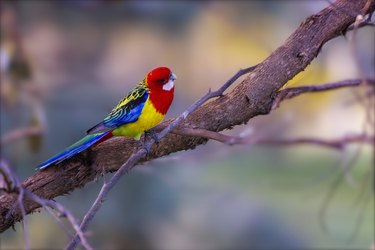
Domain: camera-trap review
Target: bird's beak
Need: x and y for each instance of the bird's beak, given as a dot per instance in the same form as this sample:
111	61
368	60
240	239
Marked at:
172	77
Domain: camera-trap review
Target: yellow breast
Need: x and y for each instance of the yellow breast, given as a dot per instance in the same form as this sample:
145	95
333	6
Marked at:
147	120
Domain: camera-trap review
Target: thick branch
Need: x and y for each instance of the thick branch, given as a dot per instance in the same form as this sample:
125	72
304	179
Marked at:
254	96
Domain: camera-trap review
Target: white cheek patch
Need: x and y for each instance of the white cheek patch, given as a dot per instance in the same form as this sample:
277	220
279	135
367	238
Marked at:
169	85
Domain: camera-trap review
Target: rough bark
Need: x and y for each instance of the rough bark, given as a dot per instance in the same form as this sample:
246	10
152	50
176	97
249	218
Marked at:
252	97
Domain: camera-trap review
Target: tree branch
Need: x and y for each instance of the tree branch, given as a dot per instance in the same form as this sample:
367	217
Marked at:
338	143
21	133
252	97
289	93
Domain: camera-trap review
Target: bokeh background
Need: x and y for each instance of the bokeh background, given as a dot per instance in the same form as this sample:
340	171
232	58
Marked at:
65	64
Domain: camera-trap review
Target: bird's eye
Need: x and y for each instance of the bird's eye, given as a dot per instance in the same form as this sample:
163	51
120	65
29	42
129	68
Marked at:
162	80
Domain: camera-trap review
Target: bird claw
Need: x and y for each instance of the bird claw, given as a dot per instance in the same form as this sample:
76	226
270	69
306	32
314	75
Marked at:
151	133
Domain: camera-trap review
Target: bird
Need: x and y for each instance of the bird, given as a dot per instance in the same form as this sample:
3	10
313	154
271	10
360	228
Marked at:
139	111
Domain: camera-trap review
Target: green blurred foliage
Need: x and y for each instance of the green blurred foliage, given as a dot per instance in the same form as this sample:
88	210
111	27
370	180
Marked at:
85	55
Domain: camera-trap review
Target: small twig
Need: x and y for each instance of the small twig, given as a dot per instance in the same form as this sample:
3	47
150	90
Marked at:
338	143
63	212
137	156
289	93
57	217
361	213
21	133
8	177
347	166
107	186
360	98
15	185
25	224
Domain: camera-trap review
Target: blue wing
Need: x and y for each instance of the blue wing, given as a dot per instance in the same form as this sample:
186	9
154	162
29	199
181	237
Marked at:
127	111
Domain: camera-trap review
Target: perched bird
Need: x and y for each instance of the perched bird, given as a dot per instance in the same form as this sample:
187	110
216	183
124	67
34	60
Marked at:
142	109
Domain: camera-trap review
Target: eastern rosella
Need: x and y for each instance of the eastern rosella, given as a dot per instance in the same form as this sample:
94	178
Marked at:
142	109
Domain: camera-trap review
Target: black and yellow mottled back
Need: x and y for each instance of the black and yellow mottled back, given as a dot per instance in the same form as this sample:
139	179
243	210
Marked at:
127	110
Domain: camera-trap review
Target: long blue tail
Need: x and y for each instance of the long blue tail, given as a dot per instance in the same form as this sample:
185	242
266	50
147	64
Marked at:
76	148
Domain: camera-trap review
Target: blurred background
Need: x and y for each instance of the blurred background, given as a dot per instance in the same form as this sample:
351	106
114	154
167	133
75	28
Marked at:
65	64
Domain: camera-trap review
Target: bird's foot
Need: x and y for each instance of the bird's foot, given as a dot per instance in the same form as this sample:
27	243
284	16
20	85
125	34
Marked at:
147	145
153	134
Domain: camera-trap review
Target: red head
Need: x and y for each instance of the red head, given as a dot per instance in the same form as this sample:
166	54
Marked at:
160	81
